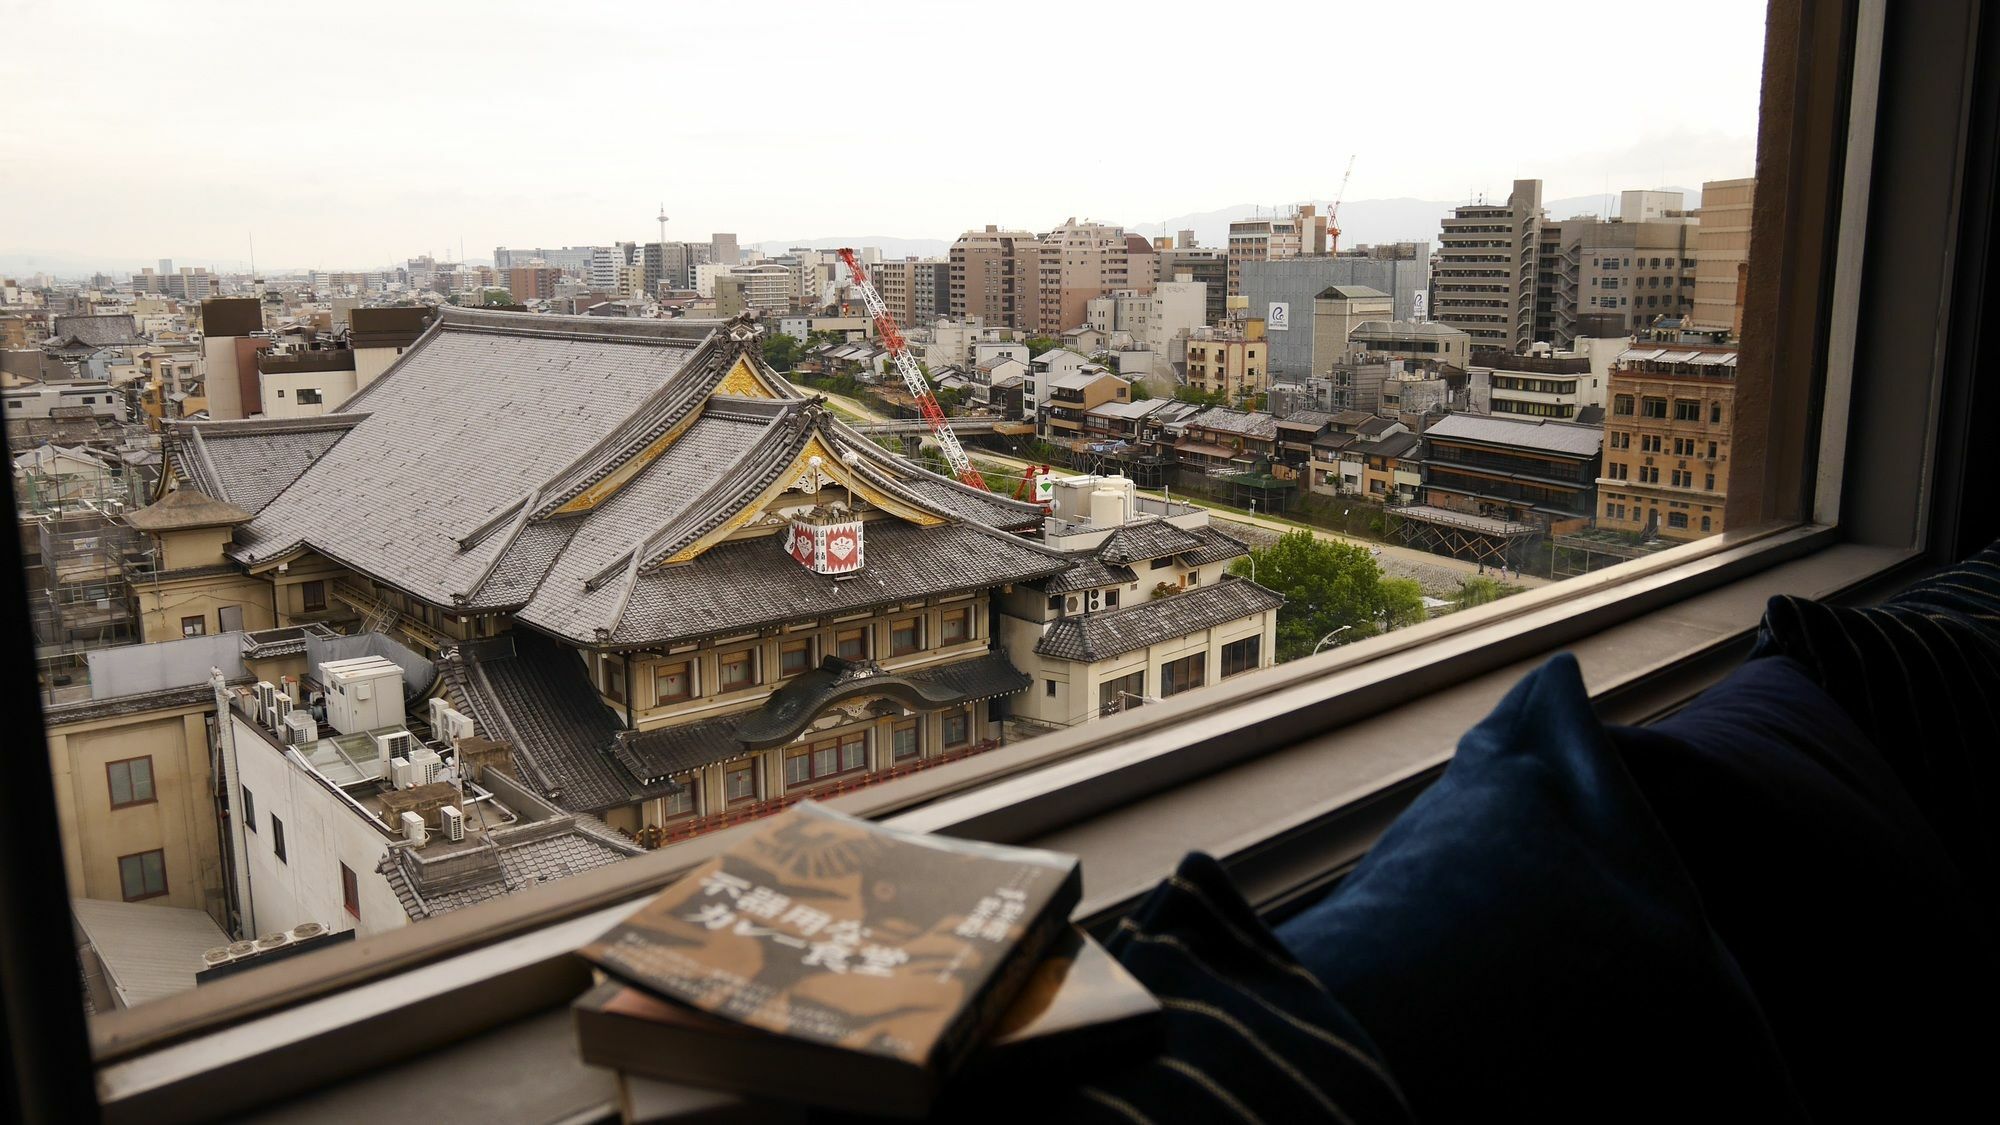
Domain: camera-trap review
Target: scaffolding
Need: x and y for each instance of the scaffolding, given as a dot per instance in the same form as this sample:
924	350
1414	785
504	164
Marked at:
1482	539
76	549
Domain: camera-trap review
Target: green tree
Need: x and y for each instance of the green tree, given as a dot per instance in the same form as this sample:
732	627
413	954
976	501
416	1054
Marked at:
1139	391
1478	591
1039	344
1327	585
781	351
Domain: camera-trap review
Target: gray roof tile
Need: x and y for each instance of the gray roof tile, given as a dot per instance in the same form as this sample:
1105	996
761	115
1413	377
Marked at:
1099	636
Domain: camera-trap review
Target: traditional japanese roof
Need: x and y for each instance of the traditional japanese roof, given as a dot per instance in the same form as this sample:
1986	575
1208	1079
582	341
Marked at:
668	751
1395	445
1255	424
98	331
1147	539
607	481
1091	637
1306	420
536	695
1089	574
186	508
248	463
1377	426
1542	434
1216	547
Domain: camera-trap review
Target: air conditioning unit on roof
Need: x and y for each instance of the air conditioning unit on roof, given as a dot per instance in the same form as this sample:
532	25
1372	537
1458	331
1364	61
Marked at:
453	823
300	729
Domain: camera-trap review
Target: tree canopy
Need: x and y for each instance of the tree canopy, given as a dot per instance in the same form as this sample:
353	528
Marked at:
1329	584
781	351
1039	344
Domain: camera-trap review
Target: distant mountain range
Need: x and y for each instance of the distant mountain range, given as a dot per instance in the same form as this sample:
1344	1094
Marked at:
1361	220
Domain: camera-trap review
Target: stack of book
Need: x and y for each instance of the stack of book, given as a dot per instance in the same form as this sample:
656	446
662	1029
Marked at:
826	963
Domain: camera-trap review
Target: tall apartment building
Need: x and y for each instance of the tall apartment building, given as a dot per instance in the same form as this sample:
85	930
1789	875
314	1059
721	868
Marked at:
1666	440
1274	239
723	249
1079	262
766	287
671	264
1601	279
1206	264
912	288
1488	263
994	276
533	283
1721	249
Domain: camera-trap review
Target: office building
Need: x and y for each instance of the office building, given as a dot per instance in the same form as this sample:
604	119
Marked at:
1488	263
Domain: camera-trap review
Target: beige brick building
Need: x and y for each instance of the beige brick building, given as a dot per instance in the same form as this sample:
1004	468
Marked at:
995	276
1666	440
1722	246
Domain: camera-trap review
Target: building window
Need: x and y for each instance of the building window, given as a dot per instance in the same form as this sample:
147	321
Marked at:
614	679
1241	656
1687	410
312	595
350	892
680	801
308	396
194	627
906	635
674	682
278	838
1704	523
1715	412
794	657
955	627
249	810
737	670
131	782
739	781
1185	674
1653	408
1708	483
957	727
1711	451
143	875
851	644
903	740
1621	404
1677	520
1121	694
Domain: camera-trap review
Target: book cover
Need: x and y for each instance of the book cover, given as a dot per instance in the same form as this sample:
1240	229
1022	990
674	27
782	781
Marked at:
1079	1009
897	947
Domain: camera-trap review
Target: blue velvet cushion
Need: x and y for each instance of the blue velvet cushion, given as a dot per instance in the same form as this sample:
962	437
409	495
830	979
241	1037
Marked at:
1827	885
1524	944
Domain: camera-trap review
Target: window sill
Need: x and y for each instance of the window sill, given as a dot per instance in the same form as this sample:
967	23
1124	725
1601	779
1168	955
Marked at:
1301	766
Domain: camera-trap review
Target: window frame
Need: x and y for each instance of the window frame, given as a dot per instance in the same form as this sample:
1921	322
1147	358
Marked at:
152	796
686	663
166	887
1798	523
350	892
278	840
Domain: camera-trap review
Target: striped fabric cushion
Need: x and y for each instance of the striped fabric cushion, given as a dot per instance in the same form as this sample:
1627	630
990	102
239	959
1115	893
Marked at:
1920	675
1250	1035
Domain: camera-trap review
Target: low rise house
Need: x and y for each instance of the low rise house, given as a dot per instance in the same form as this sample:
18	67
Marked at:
1539	473
1223	438
1071	397
1148	612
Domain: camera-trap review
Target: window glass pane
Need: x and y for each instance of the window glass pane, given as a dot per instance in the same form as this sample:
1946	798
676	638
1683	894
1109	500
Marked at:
794	657
851	644
121	782
672	682
906	740
853	752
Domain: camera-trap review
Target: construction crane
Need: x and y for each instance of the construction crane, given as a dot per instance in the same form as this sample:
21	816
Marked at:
1333	213
920	388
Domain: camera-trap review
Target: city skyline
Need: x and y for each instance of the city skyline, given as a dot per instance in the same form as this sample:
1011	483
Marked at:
431	147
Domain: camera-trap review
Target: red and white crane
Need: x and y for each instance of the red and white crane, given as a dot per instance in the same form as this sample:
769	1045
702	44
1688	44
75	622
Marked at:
1333	213
920	388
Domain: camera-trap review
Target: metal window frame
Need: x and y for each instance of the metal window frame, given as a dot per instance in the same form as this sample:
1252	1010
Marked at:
224	1048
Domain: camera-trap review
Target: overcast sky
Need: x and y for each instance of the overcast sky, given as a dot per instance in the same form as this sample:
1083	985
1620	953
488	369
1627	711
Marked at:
360	133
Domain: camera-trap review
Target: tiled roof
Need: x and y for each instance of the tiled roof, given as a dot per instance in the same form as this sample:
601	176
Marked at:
1375	427
100	331
1090	573
1148	539
521	414
248	463
537	695
668	751
1306	420
1226	420
748	583
1216	547
1395	445
1554	437
1092	637
186	508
